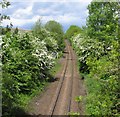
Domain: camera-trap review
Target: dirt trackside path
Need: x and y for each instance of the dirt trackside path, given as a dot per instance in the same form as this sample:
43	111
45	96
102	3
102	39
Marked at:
59	97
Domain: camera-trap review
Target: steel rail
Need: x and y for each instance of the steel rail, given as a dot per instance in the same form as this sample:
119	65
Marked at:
58	90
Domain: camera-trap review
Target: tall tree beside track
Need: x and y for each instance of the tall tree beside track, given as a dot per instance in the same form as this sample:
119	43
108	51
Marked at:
55	27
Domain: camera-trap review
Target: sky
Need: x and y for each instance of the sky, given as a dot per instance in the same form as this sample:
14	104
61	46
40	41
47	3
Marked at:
24	14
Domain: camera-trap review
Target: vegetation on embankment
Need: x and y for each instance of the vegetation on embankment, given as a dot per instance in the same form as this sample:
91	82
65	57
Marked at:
97	48
27	59
26	63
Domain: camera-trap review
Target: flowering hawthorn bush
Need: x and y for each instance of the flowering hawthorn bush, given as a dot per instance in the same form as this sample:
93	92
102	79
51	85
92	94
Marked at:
26	60
99	66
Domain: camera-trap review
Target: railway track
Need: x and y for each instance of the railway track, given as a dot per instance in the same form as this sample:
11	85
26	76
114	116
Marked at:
59	97
62	99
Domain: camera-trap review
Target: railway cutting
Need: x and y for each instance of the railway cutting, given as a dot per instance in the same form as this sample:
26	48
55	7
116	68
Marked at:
59	97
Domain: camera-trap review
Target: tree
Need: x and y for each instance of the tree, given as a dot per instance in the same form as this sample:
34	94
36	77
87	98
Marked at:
103	20
16	30
4	4
54	27
103	60
37	27
73	29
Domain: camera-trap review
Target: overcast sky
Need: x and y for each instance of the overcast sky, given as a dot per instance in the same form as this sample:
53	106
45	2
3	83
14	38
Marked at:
67	12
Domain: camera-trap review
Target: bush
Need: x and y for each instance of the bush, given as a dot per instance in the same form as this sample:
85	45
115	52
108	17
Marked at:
101	68
26	61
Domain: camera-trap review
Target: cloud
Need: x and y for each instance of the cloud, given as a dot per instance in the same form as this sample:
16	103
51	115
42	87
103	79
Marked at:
20	22
22	13
47	12
51	1
67	13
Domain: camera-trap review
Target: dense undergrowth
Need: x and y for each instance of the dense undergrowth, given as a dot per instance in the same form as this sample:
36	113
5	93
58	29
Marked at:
27	59
97	48
100	70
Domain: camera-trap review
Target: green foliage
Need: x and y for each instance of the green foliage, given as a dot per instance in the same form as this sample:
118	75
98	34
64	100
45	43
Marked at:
102	20
78	98
101	69
56	68
74	114
98	53
56	28
4	4
37	29
73	30
27	59
16	30
51	29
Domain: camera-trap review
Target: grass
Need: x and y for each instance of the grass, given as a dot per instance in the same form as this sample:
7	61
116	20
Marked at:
56	68
78	68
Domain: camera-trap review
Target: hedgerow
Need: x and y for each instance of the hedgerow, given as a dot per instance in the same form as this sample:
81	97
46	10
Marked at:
26	61
98	55
100	69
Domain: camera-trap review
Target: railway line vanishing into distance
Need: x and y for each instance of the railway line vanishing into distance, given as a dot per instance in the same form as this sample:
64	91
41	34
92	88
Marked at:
62	99
59	99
